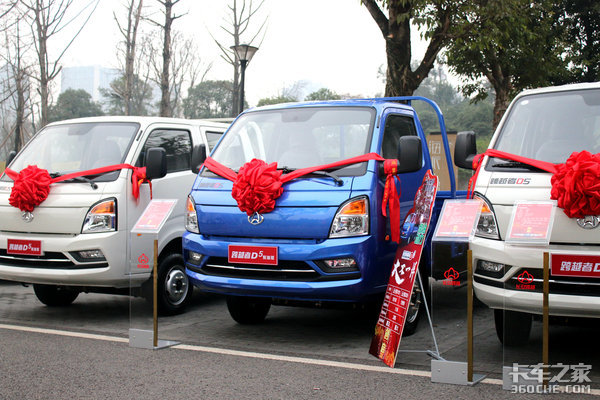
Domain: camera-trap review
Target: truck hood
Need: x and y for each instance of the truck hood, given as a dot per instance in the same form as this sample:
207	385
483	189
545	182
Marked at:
502	189
305	210
67	203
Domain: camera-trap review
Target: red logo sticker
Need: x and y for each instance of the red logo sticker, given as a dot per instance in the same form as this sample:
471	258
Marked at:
143	261
262	255
525	279
451	276
29	247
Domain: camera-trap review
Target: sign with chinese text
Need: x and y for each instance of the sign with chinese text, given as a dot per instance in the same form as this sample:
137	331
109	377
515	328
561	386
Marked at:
20	246
531	222
457	220
582	265
388	331
261	255
154	216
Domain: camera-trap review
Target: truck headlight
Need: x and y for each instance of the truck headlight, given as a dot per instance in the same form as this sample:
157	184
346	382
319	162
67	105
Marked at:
191	218
352	219
102	217
486	226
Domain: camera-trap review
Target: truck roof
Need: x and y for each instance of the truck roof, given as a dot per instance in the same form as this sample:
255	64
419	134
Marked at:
561	88
144	121
370	102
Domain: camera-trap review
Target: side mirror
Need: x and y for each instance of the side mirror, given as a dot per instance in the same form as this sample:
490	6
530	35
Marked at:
11	156
465	149
410	154
198	157
156	163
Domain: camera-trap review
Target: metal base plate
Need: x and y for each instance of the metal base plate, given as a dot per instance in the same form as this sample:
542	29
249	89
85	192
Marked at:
452	372
144	339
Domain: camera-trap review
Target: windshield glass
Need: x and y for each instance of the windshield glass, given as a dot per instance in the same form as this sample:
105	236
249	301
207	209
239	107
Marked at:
549	127
62	149
299	137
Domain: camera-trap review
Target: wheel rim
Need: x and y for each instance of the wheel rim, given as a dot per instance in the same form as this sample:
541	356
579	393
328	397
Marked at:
415	304
176	286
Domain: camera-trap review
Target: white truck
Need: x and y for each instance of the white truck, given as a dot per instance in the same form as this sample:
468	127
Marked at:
78	239
546	124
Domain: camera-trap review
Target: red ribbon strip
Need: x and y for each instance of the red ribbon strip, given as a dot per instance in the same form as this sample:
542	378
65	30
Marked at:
575	183
257	185
32	184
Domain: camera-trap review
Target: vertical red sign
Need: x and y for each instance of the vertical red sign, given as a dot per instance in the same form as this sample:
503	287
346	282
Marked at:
390	324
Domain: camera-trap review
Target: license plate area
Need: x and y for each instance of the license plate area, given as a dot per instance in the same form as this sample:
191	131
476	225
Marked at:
258	255
24	247
580	265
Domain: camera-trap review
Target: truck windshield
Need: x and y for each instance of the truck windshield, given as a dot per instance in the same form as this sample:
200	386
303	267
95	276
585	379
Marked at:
62	149
299	137
551	126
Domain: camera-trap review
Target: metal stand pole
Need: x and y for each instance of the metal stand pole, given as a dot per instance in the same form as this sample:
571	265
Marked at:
469	316
546	317
155	295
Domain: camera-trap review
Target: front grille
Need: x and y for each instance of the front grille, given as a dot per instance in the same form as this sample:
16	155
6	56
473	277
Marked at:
49	260
285	271
567	285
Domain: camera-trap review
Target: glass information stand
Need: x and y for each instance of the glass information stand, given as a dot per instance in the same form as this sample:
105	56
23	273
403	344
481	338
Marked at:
143	255
451	293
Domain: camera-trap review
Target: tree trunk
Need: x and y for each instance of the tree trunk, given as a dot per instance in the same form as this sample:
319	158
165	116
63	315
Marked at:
500	105
165	100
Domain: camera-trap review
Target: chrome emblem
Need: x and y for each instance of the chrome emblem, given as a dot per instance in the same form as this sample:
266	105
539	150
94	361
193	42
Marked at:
589	221
27	216
256	219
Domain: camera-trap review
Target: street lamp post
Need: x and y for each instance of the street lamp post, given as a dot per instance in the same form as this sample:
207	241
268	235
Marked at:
244	53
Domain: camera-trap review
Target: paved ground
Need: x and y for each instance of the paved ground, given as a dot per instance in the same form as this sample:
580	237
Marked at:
296	353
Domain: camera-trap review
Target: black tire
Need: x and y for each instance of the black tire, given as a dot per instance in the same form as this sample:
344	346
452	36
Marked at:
512	327
248	310
55	296
174	288
416	308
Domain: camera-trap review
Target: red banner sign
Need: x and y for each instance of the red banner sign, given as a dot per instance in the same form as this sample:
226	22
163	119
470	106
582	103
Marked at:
390	324
29	247
261	255
575	265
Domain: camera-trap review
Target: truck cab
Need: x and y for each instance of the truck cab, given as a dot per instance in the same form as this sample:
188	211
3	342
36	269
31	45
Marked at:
548	125
326	240
81	231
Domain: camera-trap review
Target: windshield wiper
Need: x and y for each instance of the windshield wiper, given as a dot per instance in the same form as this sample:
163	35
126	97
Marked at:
337	180
76	179
515	164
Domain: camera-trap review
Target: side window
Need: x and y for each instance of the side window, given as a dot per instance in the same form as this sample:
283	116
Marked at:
212	138
177	144
396	126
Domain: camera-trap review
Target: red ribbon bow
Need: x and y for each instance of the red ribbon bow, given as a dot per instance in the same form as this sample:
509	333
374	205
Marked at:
575	183
257	185
32	184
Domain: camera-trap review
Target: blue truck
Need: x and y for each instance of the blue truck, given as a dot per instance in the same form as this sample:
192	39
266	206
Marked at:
326	240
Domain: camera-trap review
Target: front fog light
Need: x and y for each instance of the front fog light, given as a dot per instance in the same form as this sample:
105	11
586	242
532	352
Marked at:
194	258
338	265
88	255
492	269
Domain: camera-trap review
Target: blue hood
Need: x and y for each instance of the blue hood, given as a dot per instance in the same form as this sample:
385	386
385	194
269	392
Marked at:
305	210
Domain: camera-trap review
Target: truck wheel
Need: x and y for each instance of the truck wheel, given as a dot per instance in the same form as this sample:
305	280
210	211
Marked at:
55	296
248	310
174	289
516	325
415	309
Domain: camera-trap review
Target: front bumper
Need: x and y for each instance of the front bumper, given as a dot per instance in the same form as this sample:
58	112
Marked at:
574	297
297	276
58	266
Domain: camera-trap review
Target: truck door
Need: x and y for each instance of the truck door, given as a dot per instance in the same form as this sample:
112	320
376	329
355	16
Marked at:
394	126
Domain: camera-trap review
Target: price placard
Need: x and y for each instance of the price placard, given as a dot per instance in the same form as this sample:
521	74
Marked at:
154	216
458	220
531	222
